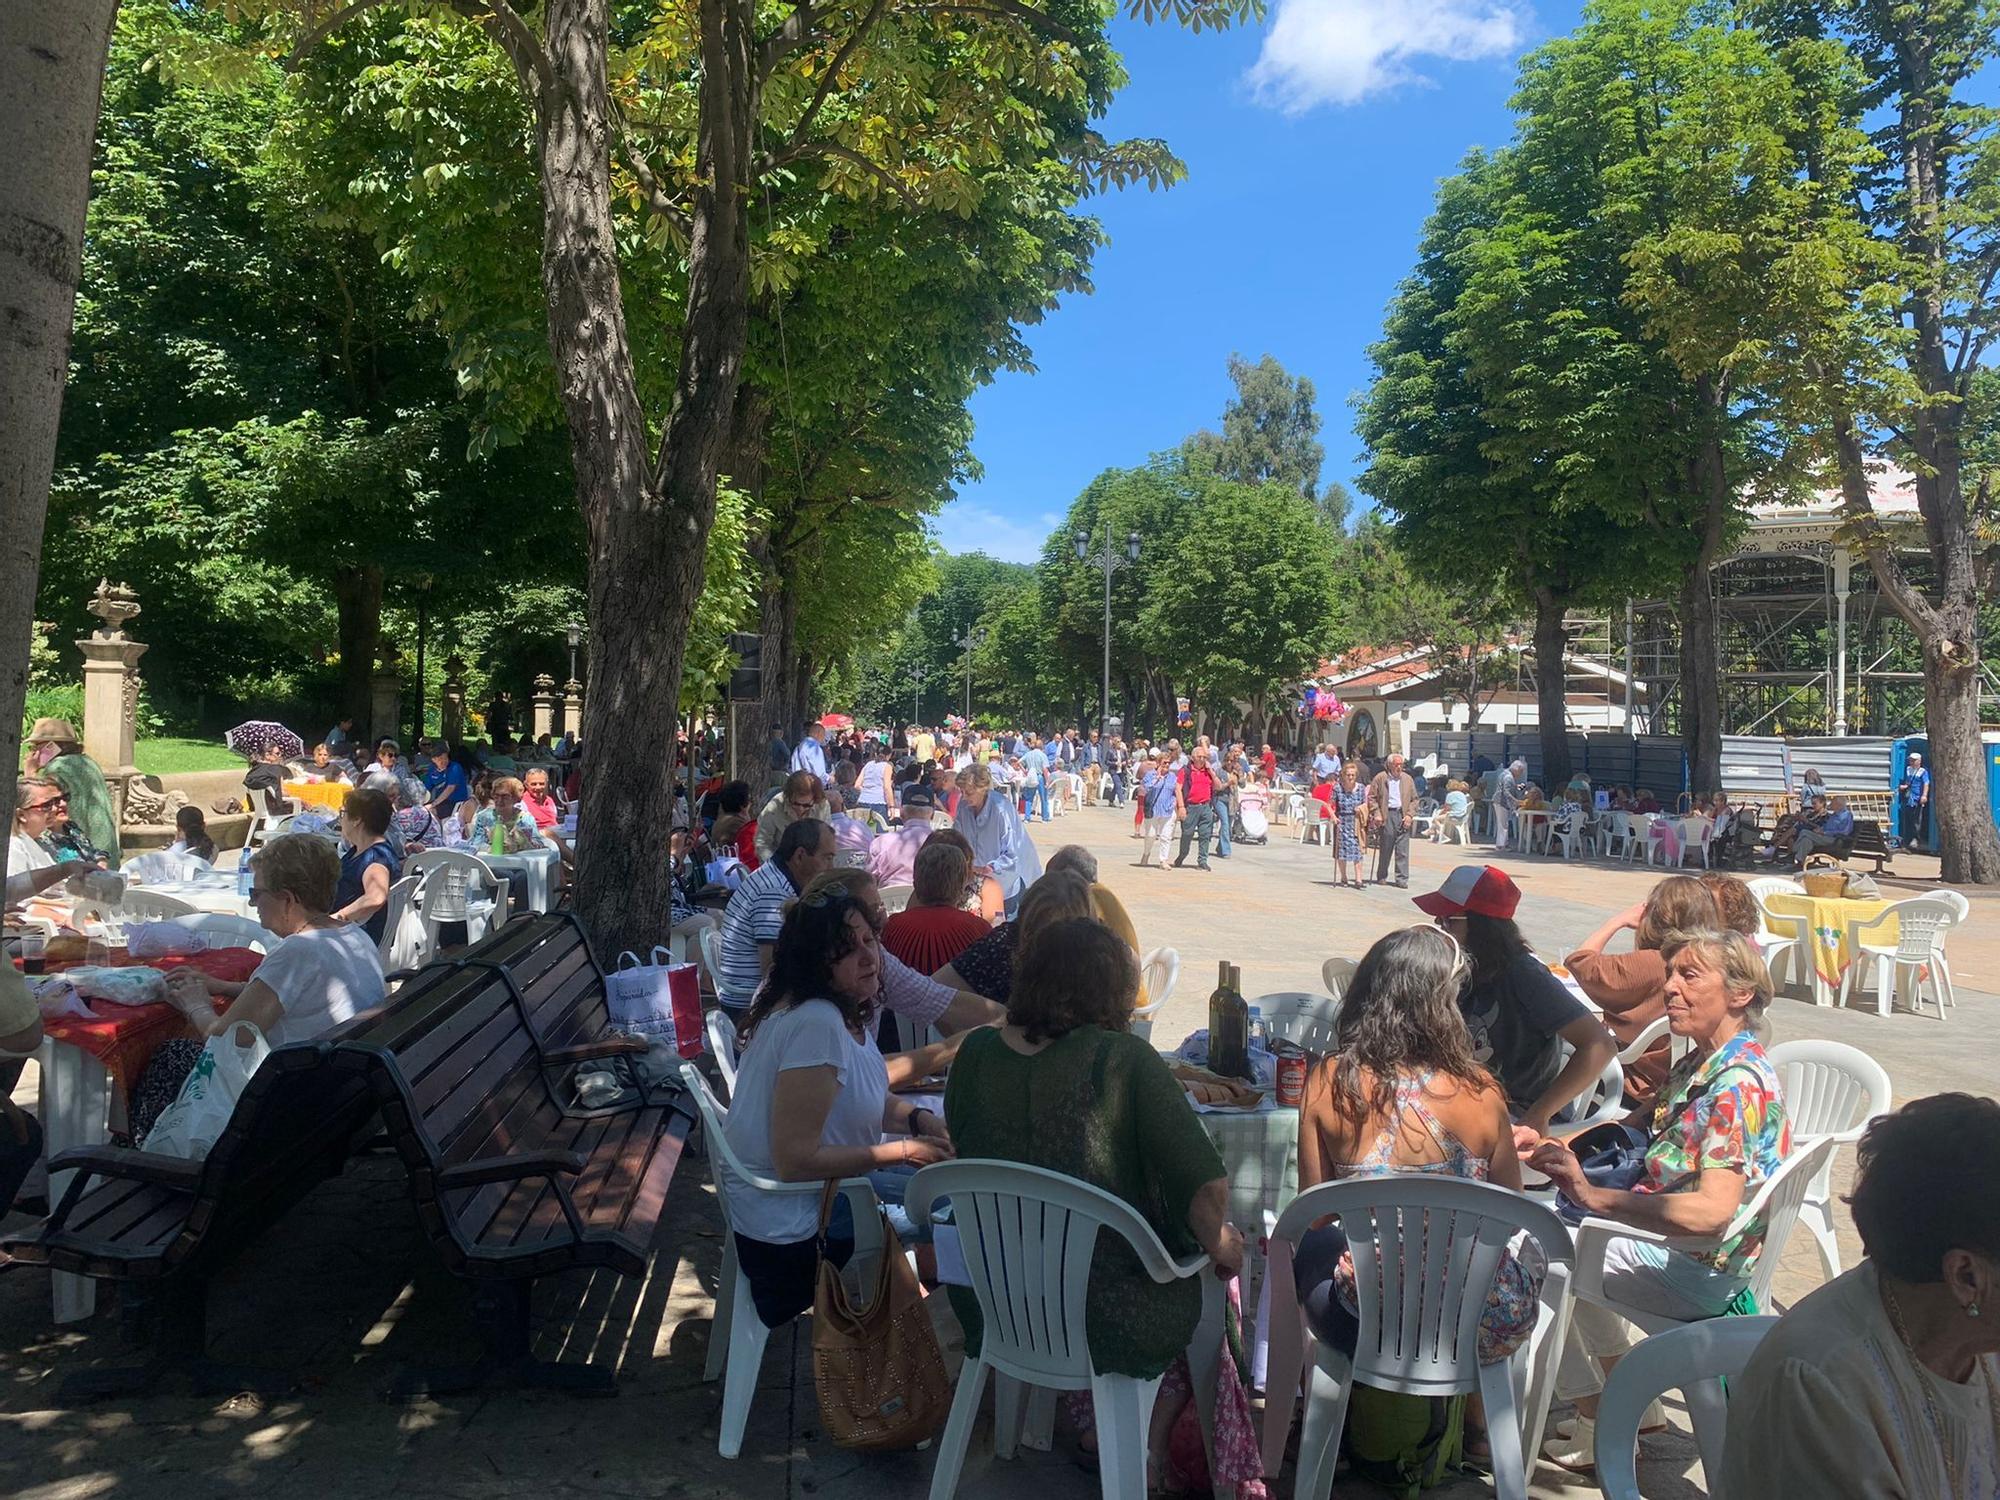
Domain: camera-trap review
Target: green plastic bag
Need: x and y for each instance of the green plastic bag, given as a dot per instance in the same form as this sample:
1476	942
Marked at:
1406	1444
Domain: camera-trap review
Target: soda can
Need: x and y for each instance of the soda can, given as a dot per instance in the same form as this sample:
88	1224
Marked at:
1291	1080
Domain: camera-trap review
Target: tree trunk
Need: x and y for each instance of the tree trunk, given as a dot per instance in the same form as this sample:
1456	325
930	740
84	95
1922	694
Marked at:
1551	685
357	598
51	84
648	523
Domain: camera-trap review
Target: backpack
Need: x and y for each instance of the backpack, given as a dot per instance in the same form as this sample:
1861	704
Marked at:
1406	1444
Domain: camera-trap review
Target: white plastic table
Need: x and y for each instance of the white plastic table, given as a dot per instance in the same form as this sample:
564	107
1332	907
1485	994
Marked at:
212	893
532	872
75	1110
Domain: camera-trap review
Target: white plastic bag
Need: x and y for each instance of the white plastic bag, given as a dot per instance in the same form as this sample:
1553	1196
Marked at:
195	1121
162	940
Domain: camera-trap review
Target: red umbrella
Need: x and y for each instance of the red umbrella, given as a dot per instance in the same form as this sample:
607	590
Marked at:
836	721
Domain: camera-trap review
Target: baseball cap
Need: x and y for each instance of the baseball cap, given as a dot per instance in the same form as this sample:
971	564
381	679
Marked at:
918	794
1486	889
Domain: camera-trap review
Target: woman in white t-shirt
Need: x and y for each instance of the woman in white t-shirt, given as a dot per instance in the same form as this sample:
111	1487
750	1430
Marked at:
321	973
812	1100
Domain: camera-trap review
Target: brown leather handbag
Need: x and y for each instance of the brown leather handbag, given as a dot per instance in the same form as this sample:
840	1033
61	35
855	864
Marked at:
878	1369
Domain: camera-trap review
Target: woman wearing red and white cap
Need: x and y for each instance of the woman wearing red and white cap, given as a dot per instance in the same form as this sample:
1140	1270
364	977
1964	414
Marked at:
1519	1013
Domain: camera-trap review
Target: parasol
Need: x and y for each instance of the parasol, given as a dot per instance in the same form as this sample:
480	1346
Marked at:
835	721
249	739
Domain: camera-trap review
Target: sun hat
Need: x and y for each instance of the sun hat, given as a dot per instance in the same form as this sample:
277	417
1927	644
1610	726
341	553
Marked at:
54	732
1485	889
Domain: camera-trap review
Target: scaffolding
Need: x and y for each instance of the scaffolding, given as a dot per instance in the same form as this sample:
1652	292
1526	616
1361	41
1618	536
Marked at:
1807	643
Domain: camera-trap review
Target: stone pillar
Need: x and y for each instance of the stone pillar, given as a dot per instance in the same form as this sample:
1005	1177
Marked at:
111	688
385	700
573	707
452	712
543	706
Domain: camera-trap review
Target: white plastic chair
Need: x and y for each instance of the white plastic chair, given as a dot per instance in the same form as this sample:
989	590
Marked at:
896	898
1777	1201
737	1337
709	939
164	864
722	1046
407	940
1832	1091
1159	972
453	888
1781	937
1640	1045
1900	972
226	930
1307	1023
1697	831
268	816
135	905
1603	1101
1694	1360
1027	1236
1315	821
1337	974
1425	1251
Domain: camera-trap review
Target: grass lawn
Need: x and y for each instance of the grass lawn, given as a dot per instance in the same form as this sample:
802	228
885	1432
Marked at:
165	757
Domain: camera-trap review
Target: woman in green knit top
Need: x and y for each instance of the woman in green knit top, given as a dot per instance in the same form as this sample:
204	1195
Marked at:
1064	1086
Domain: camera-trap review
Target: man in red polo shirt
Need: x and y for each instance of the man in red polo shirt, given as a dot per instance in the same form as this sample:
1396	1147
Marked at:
1194	802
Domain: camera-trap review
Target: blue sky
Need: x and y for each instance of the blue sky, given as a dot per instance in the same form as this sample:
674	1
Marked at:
1314	143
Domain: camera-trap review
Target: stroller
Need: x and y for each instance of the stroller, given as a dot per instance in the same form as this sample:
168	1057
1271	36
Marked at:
1253	824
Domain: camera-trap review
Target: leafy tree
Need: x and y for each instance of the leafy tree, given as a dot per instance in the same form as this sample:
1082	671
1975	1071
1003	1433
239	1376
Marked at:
1237	604
707	107
1389	603
1270	431
1935	203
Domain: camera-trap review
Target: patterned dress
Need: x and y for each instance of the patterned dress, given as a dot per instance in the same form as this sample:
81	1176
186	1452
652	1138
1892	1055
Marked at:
1725	1110
1347	806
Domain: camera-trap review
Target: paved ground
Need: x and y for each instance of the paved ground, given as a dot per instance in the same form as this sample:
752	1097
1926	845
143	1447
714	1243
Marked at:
346	1291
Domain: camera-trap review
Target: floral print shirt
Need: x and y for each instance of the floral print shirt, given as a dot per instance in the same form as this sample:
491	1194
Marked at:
1724	1110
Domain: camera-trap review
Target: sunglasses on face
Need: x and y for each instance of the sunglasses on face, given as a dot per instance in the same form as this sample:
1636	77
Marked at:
51	803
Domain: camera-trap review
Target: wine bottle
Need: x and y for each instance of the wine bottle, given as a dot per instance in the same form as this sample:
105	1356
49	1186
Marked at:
1228	1028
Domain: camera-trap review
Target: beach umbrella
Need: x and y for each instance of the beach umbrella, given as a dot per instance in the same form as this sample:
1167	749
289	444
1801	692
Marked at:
249	739
836	721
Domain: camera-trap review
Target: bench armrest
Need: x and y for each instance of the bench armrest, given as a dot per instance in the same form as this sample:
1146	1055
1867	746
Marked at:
508	1168
131	1166
610	1046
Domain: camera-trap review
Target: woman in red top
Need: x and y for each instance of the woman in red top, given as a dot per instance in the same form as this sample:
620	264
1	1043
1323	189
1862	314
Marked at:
934	928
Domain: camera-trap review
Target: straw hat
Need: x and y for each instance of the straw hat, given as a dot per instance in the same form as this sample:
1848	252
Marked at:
53	732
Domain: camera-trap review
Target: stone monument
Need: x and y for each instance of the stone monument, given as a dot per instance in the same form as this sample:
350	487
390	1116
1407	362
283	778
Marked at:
543	706
573	708
111	687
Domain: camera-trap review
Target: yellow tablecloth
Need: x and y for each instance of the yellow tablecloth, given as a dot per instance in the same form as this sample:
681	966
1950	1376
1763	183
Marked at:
1826	929
327	794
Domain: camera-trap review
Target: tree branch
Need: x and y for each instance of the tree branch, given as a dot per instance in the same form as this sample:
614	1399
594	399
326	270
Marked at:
787	39
317	34
515	36
833	148
831	77
649	186
1010	10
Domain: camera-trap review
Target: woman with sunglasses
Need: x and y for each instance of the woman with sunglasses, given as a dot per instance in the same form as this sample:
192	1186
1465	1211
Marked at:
812	1099
1404	1094
30	866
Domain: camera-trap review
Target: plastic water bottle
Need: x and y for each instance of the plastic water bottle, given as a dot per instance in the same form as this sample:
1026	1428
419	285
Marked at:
243	874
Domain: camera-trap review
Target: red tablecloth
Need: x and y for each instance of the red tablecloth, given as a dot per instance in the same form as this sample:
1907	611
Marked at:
125	1038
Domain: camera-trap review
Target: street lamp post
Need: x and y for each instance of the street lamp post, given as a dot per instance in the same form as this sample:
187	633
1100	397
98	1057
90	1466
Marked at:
970	642
917	675
1109	563
575	633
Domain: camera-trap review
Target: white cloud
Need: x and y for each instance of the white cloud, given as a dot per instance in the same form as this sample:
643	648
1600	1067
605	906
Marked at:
1342	51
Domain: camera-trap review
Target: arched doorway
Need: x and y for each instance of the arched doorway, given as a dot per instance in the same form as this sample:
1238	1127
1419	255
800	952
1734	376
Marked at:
1363	737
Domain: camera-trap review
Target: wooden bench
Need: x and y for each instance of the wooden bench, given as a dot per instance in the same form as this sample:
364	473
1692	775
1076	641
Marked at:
511	1181
1867	842
163	1225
